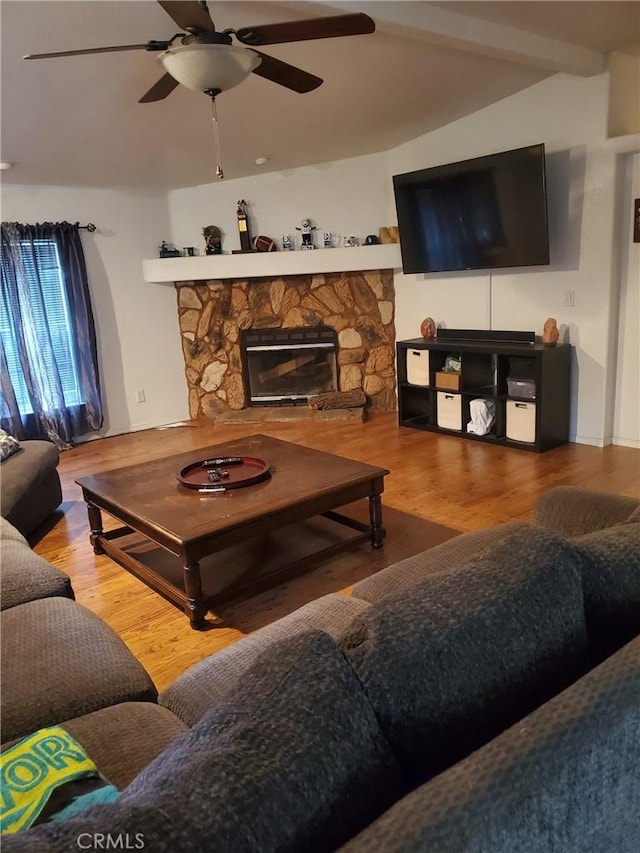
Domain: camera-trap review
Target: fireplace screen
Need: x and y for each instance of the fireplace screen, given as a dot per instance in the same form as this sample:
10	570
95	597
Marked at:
286	366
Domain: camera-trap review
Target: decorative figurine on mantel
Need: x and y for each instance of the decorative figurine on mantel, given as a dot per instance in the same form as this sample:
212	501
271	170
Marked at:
428	328
307	234
213	241
243	227
168	250
550	332
287	243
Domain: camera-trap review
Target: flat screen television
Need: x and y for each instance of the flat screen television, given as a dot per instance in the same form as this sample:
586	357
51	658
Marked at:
484	213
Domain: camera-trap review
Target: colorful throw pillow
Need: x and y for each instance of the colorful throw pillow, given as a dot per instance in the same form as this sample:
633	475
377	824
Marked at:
48	776
8	445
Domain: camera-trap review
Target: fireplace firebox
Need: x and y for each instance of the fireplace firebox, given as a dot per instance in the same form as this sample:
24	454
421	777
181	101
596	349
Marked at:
284	367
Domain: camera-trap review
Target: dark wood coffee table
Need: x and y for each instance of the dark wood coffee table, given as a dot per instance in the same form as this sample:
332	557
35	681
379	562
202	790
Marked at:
148	499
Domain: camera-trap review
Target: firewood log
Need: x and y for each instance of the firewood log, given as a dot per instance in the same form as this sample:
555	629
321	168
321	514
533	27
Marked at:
338	400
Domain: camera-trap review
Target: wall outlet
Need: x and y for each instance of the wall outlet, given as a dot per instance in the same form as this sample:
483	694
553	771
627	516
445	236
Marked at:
570	298
140	395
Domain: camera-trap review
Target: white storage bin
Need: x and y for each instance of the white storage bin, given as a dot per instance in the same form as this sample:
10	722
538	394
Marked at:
521	421
418	366
449	410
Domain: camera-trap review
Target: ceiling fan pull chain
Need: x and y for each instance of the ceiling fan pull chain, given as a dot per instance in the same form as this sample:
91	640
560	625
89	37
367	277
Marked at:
216	138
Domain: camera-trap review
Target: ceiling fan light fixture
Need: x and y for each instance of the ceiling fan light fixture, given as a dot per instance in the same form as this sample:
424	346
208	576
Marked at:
209	66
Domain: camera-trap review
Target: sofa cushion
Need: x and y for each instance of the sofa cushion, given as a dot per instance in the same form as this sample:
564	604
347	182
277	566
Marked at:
194	692
634	517
564	779
572	511
472	648
123	739
58	661
43	775
611	585
292	760
10	533
405	573
26	577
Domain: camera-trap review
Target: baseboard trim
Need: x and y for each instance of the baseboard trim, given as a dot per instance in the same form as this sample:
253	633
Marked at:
587	439
626	442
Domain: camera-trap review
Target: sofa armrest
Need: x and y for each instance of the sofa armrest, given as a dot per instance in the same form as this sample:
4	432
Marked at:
571	511
30	487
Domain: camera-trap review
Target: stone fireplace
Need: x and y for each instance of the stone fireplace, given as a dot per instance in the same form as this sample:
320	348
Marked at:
354	311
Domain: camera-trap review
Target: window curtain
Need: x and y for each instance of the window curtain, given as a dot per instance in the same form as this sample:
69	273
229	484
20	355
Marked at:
34	339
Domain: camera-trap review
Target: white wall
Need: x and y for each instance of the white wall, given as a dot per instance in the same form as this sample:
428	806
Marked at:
624	102
345	198
137	326
626	424
570	116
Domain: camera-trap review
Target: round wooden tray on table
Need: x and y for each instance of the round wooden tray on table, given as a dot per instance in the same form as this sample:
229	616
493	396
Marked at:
224	473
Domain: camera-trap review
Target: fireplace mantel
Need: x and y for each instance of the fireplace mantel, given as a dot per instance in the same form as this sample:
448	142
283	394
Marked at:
273	264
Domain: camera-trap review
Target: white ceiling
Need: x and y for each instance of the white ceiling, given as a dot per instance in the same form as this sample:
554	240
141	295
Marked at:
76	121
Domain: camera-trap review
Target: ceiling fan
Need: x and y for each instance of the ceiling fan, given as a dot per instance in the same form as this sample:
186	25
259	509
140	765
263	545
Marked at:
206	60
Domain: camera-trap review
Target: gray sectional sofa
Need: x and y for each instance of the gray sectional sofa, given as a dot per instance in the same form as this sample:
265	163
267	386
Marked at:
30	486
481	696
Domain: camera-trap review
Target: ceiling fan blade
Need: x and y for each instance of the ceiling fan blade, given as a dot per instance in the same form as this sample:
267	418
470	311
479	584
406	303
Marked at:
189	14
286	75
115	49
165	86
312	28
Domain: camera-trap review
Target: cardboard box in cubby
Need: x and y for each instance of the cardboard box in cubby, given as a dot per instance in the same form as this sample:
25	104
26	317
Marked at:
450	381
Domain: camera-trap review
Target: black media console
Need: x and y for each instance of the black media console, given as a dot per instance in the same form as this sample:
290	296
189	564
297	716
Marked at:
521	385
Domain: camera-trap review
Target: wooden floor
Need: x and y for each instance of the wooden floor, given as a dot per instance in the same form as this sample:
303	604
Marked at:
463	484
